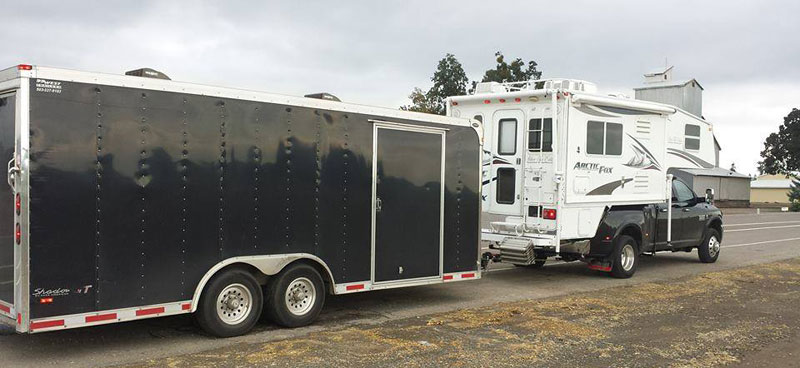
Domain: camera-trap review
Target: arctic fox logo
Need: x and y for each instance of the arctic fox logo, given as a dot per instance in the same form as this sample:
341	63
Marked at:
592	166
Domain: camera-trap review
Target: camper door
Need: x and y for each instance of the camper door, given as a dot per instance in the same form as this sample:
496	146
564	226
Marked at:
506	162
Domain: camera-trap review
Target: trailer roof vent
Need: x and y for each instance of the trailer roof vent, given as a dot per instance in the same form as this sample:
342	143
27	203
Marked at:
324	96
147	73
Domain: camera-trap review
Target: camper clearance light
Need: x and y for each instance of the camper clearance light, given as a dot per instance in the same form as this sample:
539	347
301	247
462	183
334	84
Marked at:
18	203
549	214
24	67
18	233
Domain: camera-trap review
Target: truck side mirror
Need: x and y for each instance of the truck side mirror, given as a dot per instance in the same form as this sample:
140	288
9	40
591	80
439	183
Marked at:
710	195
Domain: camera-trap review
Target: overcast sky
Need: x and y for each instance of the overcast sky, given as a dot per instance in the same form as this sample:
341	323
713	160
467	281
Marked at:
374	52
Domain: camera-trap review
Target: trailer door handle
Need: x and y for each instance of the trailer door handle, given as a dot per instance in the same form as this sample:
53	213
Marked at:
685	210
663	210
12	171
378	205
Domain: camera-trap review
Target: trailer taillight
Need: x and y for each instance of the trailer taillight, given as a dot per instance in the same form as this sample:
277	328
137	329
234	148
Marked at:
17	203
45	300
24	67
549	214
18	233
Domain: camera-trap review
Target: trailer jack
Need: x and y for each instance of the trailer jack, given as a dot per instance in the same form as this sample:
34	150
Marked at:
487	257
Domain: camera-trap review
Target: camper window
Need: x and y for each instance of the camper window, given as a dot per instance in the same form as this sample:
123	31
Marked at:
478	118
692	139
507	137
506	178
603	138
540	135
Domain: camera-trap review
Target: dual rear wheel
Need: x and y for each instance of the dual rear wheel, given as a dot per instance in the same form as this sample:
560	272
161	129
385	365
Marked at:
233	300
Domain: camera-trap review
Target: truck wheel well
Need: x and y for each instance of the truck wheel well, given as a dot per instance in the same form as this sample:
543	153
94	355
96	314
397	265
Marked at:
634	233
326	277
716	224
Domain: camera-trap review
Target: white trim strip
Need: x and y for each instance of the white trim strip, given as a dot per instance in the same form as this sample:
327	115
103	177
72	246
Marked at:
355	287
109	316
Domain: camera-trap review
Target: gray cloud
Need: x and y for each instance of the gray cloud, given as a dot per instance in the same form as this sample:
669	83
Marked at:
376	52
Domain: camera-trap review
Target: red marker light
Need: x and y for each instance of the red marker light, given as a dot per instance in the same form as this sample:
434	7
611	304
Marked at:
18	234
45	300
517	99
487	101
455	103
18	203
549	214
502	100
24	67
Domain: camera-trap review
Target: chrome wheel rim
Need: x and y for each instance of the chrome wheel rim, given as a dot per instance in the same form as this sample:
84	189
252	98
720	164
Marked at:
300	296
234	304
627	257
713	246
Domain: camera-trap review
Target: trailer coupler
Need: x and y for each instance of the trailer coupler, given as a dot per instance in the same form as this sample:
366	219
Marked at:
487	257
600	265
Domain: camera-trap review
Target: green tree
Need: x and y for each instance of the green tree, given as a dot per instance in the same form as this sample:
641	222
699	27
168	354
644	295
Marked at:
516	71
794	195
781	154
449	79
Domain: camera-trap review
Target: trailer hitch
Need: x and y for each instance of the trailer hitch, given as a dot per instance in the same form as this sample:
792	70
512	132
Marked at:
487	257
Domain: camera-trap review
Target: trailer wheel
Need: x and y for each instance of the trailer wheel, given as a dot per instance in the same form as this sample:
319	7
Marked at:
230	304
295	296
625	257
708	250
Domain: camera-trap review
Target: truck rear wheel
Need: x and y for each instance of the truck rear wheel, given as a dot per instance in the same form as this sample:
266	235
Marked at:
625	258
230	304
294	297
708	250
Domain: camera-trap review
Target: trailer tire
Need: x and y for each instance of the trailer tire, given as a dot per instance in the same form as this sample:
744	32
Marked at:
295	296
231	304
625	258
708	250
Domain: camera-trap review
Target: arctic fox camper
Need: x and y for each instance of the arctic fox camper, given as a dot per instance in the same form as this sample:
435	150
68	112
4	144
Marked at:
571	173
133	196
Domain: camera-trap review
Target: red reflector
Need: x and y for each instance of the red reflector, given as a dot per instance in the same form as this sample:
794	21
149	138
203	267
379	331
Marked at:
5	308
47	324
549	214
19	318
517	99
18	203
18	233
186	306
600	268
502	100
354	287
455	103
467	275
24	67
45	300
487	101
101	317
447	277
147	312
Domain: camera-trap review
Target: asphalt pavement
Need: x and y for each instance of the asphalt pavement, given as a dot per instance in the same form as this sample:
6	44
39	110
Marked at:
749	239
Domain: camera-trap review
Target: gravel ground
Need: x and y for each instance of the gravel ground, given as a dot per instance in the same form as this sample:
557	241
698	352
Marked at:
746	316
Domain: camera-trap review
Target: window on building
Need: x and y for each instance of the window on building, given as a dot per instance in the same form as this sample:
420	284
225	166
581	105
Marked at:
692	137
540	135
603	138
507	137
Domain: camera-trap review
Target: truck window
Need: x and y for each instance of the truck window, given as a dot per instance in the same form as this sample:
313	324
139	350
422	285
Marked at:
603	138
692	137
506	178
540	135
681	192
507	137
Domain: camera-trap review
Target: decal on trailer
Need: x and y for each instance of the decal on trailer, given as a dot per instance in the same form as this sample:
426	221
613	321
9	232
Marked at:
48	86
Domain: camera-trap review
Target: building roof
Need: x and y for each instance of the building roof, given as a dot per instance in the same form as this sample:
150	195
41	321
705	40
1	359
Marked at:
668	85
657	71
771	183
717	171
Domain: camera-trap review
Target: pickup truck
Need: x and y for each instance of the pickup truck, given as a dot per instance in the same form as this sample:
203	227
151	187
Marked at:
627	232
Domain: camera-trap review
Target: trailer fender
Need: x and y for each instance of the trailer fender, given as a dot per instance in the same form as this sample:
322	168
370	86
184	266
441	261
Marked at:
267	264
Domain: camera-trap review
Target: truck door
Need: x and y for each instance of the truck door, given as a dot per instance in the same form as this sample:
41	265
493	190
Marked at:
692	226
409	203
507	152
7	119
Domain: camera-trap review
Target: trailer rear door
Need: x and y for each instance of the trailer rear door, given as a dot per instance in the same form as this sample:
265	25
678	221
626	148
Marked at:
7	118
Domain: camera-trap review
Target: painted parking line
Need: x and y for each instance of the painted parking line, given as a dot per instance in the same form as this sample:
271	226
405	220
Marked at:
761	228
762	223
761	242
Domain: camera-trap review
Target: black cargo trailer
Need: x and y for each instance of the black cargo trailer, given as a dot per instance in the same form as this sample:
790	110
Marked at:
132	197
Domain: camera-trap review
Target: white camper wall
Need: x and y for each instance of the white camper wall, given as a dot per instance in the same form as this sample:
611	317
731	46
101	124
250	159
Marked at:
690	142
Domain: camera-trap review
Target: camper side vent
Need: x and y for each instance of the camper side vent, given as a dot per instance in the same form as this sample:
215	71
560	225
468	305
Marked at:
643	128
641	183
